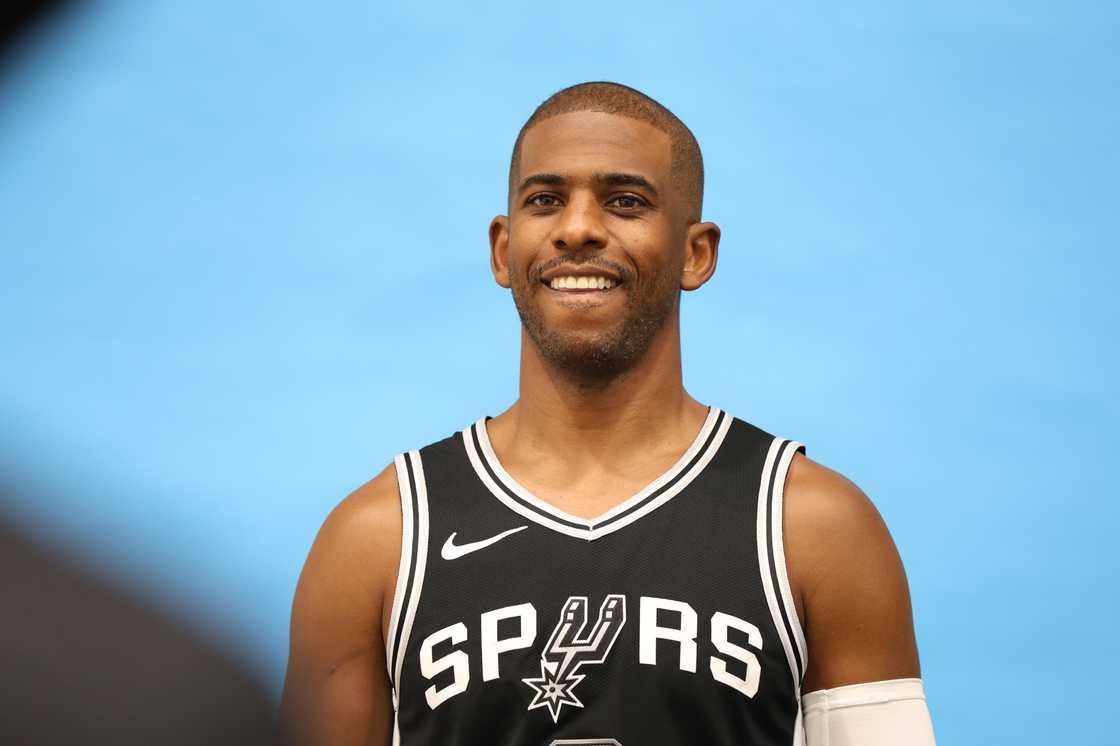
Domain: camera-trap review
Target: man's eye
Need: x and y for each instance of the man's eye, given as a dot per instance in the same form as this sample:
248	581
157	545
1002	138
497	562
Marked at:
627	201
543	200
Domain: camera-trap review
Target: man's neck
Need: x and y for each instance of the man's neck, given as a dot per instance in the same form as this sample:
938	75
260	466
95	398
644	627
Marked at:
645	409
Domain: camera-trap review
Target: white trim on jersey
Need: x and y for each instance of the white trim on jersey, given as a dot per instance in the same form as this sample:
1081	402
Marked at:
778	536
421	555
405	567
580	532
762	526
666	486
410	576
669	494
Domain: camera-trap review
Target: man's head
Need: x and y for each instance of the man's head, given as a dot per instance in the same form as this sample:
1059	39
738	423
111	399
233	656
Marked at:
602	232
687	163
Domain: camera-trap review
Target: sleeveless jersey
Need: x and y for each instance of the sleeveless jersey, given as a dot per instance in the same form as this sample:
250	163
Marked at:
666	620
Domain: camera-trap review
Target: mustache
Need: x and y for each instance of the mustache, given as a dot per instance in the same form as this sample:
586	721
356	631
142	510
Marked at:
576	261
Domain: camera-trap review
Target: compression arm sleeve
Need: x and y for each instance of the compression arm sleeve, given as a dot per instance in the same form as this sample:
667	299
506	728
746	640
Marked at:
881	713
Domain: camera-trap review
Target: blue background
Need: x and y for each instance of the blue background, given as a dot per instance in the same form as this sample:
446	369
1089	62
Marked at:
244	262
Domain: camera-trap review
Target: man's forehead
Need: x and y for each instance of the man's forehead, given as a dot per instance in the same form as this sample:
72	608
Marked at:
595	141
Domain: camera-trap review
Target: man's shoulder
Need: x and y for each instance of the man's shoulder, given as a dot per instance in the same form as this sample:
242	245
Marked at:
367	513
821	498
834	535
848	581
377	501
828	518
818	501
372	495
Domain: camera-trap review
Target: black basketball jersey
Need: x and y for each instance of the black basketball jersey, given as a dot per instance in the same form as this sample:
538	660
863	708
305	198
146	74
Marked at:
666	620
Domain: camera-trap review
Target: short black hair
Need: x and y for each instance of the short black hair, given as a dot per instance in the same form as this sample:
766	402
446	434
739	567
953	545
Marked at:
687	164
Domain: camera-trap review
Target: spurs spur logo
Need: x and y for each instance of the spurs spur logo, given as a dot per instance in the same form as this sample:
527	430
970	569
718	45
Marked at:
506	635
568	650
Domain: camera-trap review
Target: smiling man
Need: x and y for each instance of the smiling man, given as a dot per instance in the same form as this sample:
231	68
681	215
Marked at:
608	561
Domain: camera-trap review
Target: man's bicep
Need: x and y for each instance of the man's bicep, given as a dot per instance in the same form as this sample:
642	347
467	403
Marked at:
337	688
349	703
850	581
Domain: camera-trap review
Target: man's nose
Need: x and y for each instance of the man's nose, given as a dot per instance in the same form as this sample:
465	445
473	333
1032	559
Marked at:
580	225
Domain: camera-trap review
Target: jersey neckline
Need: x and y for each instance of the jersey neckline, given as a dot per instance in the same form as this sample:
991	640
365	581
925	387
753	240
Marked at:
655	494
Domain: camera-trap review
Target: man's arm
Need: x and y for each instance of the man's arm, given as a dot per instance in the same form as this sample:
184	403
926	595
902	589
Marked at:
847	581
337	689
849	587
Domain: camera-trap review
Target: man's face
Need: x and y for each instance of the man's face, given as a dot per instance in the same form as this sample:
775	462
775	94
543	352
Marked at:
595	243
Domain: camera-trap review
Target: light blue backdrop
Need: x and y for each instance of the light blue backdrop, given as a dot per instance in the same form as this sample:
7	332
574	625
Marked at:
244	262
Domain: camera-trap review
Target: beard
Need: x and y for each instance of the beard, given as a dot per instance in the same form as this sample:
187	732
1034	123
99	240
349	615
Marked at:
593	359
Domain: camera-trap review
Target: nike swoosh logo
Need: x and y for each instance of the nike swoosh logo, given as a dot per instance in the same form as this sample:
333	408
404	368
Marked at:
451	550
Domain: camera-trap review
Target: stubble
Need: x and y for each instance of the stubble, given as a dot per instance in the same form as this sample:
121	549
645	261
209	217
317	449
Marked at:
593	360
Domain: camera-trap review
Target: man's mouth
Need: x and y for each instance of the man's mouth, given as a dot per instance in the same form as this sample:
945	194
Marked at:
581	282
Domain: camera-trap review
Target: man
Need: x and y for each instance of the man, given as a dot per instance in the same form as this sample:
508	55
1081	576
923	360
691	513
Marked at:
608	561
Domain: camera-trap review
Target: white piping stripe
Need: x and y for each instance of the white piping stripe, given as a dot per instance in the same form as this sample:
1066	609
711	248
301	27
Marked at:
508	481
764	563
548	515
421	554
405	564
676	488
786	596
509	502
529	497
674	470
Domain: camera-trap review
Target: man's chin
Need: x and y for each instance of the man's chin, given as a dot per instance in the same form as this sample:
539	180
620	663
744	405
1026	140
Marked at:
585	355
590	351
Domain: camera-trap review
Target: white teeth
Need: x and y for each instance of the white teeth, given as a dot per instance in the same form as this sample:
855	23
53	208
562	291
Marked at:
581	283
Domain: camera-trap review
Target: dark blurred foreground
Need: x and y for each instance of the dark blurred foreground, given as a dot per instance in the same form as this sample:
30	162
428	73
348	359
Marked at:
81	663
22	18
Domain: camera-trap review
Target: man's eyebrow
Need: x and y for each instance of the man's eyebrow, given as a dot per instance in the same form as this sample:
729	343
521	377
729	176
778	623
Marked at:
620	179
613	178
545	179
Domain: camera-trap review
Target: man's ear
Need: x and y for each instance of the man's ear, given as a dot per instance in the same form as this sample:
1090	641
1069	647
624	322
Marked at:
499	250
701	251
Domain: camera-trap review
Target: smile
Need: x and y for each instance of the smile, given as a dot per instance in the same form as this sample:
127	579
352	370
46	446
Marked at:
582	282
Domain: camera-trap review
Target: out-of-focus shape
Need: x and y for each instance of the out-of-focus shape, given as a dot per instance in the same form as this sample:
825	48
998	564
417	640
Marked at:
85	664
19	18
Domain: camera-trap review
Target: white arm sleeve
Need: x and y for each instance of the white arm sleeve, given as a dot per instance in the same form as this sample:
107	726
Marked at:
881	713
